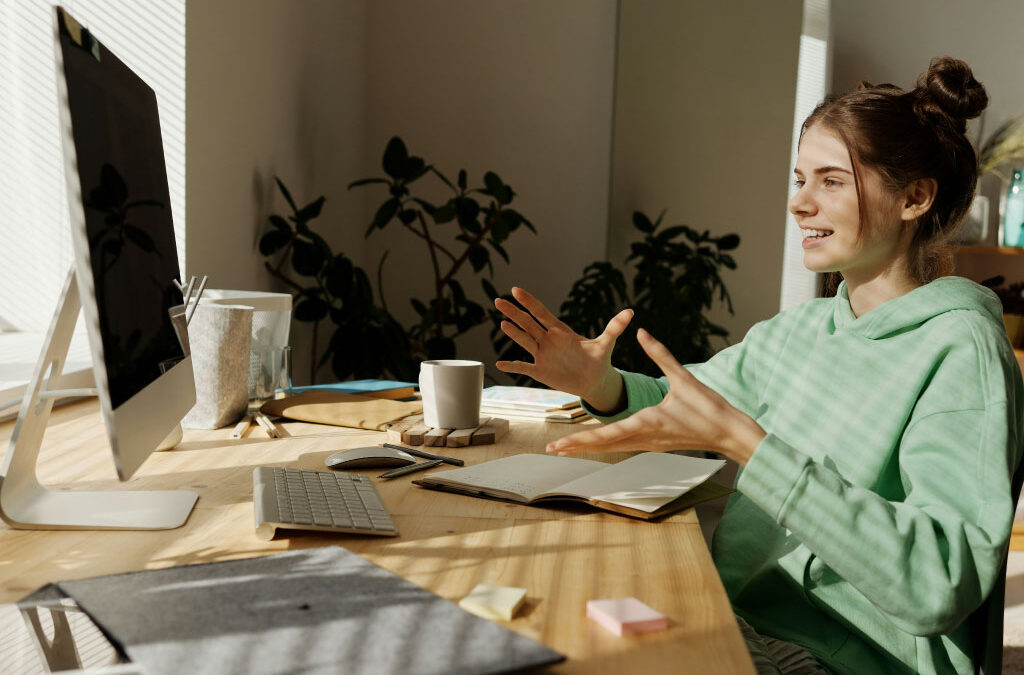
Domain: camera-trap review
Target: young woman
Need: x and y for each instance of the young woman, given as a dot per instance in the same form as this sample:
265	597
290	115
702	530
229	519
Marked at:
878	431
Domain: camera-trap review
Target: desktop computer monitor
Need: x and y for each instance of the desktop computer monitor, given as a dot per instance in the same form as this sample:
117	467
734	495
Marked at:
124	278
126	261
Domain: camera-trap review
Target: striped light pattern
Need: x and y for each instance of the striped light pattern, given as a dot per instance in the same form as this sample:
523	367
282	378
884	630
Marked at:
36	244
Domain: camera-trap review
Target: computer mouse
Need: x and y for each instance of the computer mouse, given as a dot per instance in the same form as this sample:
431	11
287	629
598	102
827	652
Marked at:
369	458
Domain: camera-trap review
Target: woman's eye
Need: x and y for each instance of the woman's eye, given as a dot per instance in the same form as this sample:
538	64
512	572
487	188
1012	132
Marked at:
832	182
798	183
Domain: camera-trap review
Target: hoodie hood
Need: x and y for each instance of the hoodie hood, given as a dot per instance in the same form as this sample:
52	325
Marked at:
942	295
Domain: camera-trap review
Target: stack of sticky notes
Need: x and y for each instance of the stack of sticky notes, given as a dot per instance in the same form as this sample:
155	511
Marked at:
497	603
625	616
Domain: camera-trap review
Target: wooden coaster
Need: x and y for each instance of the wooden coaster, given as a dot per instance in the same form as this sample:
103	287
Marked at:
412	431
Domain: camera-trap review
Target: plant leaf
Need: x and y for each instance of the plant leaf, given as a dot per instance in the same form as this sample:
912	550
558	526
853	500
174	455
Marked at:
384	215
395	158
479	258
444	179
367	181
311	210
413	169
280	223
467	209
728	242
445	213
307	258
311	309
642	222
273	241
338	277
287	195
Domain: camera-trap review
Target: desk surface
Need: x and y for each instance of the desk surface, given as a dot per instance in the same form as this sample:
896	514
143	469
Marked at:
448	543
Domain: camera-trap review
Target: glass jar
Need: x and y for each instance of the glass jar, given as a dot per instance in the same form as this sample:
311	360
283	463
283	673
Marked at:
1011	232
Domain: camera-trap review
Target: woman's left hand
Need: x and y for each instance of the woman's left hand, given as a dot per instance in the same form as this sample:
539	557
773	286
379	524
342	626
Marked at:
690	417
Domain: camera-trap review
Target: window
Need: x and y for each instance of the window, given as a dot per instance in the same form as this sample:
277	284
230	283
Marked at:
150	38
798	283
36	242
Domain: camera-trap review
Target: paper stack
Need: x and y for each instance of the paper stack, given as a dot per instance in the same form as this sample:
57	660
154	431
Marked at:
528	403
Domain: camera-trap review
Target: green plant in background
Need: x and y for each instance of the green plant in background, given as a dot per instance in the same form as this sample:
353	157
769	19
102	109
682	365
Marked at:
676	280
1003	147
366	342
476	226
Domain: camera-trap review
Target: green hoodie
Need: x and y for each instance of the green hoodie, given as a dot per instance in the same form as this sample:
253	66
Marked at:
874	517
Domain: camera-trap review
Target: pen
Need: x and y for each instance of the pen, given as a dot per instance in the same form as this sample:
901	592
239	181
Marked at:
411	468
425	455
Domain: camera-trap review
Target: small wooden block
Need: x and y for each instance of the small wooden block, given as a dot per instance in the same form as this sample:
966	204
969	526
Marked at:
414	434
491	432
460	438
436	437
395	429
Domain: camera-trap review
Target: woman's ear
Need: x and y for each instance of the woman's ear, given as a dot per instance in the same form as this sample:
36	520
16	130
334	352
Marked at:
918	198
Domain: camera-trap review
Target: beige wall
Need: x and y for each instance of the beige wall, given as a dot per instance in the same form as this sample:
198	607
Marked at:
272	88
521	88
703	125
527	89
871	43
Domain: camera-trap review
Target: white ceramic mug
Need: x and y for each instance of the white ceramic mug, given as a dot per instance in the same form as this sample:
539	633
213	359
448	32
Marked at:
451	391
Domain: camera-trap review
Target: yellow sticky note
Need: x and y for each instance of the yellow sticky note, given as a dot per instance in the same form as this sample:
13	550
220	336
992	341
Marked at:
497	603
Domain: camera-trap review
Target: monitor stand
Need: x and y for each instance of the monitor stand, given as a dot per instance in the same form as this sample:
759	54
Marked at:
24	503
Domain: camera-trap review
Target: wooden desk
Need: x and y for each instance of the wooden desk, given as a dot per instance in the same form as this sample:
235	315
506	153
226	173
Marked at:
448	543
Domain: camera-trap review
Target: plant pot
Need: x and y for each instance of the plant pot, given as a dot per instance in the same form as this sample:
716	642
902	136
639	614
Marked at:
1014	329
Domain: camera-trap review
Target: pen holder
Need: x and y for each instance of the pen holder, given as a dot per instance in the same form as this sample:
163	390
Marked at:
220	336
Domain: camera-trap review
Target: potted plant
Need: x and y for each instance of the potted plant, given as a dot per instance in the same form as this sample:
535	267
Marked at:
676	279
366	341
466	228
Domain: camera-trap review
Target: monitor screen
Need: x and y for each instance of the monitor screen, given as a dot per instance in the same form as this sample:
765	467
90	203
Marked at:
127	209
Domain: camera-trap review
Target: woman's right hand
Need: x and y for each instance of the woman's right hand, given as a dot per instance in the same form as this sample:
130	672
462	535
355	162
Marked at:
563	359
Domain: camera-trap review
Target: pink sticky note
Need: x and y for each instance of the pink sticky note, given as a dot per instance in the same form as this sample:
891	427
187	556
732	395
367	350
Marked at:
625	616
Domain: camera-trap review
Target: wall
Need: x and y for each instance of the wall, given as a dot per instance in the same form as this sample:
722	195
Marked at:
703	123
871	44
523	89
272	88
527	89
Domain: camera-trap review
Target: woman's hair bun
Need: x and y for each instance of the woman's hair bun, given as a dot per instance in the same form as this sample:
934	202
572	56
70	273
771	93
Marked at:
948	89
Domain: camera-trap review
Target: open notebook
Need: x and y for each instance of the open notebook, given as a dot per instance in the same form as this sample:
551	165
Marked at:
648	485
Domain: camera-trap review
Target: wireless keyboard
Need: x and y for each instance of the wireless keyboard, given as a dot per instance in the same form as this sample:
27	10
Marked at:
317	500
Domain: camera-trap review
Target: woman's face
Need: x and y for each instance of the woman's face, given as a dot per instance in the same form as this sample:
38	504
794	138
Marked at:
836	238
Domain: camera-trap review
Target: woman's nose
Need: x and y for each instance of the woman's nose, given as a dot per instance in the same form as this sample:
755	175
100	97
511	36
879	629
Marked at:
801	204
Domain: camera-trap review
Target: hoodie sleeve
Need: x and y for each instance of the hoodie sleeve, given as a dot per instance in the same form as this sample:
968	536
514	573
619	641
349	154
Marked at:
925	561
734	373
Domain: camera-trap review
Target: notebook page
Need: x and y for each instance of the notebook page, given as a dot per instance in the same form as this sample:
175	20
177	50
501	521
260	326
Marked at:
645	482
526	475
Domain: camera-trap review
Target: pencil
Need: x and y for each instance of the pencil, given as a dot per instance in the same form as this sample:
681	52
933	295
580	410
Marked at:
265	422
241	427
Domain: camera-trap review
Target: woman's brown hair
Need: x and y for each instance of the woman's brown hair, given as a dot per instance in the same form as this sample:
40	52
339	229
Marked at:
910	135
